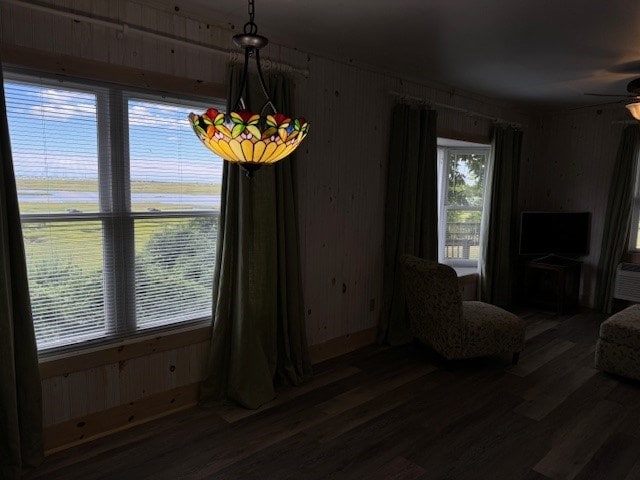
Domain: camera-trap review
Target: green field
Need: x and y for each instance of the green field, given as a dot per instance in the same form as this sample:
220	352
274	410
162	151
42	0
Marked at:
174	257
42	187
44	184
81	242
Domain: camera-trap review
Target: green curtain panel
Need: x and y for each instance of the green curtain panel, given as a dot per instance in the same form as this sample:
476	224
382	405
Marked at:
258	331
411	210
20	391
500	234
618	218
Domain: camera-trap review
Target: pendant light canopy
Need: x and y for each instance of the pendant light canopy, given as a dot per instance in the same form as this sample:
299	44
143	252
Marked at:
241	136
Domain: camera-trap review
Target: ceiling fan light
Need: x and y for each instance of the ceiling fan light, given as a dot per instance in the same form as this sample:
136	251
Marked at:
634	109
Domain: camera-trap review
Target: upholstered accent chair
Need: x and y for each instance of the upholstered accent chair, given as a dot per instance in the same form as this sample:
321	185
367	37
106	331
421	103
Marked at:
454	328
618	346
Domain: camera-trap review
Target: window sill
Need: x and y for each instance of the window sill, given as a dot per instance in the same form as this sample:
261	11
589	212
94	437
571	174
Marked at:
121	350
465	271
631	257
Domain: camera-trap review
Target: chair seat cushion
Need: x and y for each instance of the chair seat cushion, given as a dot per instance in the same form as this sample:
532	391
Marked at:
623	328
490	329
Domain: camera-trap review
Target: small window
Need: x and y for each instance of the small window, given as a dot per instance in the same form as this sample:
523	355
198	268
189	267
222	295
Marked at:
119	206
462	172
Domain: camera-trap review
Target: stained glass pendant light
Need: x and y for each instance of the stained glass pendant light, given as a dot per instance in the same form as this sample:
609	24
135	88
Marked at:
248	138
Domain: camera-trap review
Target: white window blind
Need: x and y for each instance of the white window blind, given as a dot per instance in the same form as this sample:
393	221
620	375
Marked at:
54	144
175	194
119	206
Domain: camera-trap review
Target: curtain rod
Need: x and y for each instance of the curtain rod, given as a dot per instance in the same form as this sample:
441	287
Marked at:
124	28
452	107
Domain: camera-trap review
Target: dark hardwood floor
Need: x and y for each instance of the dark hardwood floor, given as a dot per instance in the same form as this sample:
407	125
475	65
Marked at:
398	413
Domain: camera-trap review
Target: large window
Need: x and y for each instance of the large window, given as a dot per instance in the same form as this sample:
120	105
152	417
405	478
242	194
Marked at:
462	186
119	205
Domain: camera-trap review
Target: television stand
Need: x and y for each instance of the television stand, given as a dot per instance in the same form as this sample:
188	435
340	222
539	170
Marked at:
553	282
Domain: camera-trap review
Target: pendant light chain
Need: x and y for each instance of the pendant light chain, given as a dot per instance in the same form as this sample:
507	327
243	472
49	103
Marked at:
252	11
250	27
251	139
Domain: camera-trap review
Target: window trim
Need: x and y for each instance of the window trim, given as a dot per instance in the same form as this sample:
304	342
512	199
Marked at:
31	61
634	231
635	219
144	343
111	104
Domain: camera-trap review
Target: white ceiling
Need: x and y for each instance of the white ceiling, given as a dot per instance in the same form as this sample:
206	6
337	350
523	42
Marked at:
542	52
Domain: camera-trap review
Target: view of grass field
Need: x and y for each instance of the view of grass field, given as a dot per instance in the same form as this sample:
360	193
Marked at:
174	257
174	260
69	237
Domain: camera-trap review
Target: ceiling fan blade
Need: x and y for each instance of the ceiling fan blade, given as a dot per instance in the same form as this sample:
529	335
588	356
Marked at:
626	67
610	95
603	104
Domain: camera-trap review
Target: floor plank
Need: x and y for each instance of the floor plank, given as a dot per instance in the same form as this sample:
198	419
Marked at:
573	450
401	413
554	383
538	327
400	469
232	412
615	459
534	358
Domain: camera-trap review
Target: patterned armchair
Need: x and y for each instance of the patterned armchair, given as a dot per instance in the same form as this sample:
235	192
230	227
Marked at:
456	329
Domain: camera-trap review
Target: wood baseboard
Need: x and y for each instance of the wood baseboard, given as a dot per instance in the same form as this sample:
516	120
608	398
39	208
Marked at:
90	427
341	345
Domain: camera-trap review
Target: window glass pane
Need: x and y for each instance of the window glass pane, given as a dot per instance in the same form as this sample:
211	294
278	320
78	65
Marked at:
175	260
634	237
171	172
462	237
54	143
64	263
170	169
466	179
55	148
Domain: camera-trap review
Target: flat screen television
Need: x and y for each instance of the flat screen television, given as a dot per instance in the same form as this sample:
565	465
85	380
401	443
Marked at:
559	233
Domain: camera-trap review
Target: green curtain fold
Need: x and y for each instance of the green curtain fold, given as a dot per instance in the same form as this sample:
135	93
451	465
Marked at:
258	330
500	234
20	391
618	217
411	210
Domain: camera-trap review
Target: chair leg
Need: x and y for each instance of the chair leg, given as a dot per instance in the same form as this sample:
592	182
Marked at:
515	358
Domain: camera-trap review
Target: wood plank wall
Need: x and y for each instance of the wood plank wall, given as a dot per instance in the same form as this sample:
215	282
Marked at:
570	170
340	176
